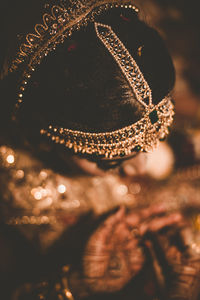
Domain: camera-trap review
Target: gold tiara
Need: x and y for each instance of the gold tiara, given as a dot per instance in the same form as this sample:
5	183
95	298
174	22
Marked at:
140	136
58	25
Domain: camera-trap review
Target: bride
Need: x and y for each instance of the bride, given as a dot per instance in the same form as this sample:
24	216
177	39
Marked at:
92	87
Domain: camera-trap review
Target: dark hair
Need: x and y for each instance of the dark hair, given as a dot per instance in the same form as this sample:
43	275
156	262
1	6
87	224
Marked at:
79	86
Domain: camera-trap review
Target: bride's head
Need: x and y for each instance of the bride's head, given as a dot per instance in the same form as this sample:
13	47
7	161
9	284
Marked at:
92	95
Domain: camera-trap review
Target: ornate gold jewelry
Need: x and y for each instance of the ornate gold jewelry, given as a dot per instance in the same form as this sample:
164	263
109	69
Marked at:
140	136
126	63
59	25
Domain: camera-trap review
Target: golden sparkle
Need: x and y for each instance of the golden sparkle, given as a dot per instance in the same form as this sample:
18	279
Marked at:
10	159
61	189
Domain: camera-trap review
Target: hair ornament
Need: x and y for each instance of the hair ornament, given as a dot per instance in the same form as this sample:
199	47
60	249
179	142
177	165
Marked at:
59	25
140	136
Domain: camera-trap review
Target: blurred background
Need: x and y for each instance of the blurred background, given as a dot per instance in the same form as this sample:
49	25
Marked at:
179	24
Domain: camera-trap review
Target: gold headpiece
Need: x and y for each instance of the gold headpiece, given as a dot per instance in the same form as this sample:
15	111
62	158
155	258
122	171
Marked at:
140	136
58	25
